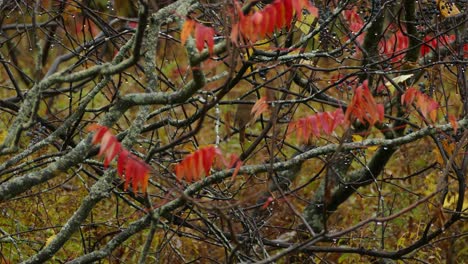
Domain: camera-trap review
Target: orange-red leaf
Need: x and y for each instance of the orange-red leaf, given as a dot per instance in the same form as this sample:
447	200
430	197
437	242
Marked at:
363	107
200	162
426	104
408	97
208	158
314	125
196	164
453	121
187	29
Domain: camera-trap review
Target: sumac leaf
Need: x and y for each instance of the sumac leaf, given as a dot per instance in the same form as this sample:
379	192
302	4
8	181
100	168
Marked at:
134	169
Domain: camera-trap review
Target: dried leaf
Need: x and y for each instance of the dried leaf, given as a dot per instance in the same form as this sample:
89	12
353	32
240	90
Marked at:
447	8
259	107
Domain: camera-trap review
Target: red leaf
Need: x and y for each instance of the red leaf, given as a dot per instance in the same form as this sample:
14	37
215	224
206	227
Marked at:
121	162
197	166
137	172
288	12
208	158
133	168
107	141
258	24
111	153
188	170
338	118
394	46
202	34
274	16
101	130
408	97
179	171
355	23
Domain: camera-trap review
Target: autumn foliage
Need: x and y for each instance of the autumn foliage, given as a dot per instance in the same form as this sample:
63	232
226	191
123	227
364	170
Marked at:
133	170
201	33
199	163
274	16
394	46
425	104
363	107
260	107
252	26
317	124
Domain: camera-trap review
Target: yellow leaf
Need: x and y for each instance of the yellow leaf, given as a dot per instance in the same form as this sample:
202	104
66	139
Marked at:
359	138
305	24
447	9
397	80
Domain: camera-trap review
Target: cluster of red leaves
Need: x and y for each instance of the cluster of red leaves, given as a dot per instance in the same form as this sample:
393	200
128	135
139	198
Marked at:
199	163
426	104
431	43
394	46
363	107
316	125
274	16
202	34
355	23
254	26
135	170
